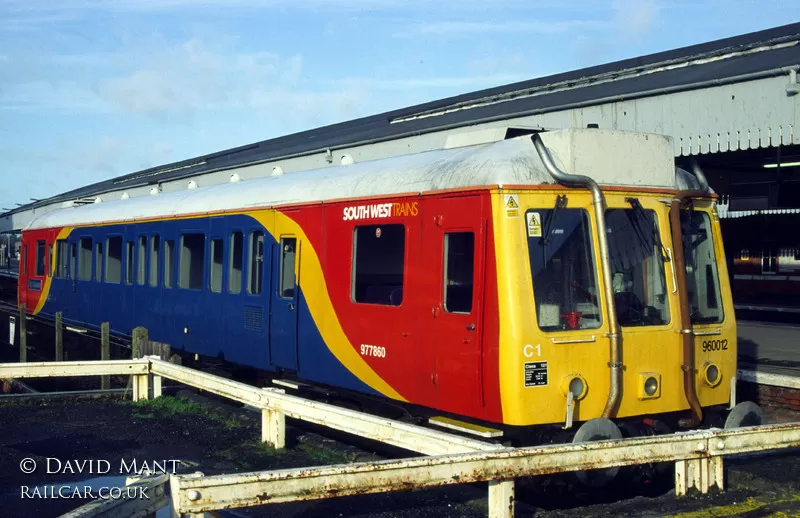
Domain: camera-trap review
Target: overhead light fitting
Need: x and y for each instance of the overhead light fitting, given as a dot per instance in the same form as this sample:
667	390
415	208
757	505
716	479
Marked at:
784	164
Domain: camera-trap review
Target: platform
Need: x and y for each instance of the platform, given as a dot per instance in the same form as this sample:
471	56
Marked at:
769	347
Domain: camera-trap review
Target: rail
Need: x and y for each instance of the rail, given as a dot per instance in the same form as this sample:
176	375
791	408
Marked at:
452	459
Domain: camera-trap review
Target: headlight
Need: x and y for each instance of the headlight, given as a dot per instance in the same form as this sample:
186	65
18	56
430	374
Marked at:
576	384
649	385
712	374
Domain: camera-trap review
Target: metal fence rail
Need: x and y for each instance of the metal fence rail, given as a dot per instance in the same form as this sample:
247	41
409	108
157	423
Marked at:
698	458
697	455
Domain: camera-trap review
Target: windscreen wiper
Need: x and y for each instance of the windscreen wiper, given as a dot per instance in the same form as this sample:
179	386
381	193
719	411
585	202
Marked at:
561	202
641	217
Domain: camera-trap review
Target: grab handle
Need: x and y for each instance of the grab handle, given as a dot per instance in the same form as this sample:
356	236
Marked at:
575	341
672	267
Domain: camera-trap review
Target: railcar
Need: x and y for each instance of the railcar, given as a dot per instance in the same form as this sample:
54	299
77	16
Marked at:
550	278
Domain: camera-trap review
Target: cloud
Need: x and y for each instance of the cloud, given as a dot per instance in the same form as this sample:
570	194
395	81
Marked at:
467	81
464	28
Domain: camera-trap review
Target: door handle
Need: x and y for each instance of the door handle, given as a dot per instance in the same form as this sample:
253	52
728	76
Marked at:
471	327
291	306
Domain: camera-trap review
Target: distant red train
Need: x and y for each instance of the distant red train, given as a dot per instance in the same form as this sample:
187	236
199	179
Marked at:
765	269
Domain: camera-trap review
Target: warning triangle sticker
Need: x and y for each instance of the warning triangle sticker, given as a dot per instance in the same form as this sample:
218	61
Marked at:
511	203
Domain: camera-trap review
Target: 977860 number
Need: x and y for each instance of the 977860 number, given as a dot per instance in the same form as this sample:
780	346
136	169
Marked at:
715	345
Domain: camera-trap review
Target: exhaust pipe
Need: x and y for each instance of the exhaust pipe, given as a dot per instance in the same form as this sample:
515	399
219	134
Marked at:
598	200
687	332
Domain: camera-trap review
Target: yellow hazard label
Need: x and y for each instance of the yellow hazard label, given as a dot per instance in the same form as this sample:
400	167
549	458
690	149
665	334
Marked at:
512	206
534	224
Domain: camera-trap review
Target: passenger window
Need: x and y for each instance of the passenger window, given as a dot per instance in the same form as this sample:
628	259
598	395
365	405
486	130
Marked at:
287	278
191	261
378	264
255	273
235	268
459	265
216	265
85	259
114	260
98	262
155	248
72	259
51	264
62	257
40	267
169	262
141	271
128	262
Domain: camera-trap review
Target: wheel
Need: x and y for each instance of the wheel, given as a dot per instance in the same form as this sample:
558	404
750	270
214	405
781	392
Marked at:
744	414
598	429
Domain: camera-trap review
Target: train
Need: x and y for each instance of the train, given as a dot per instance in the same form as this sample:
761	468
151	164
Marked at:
555	278
765	257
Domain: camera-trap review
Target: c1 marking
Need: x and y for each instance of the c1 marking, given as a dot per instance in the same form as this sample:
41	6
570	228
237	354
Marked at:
527	351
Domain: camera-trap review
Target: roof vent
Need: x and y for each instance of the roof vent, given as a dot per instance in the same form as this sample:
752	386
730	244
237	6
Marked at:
593	125
235	178
193	185
277	170
347	159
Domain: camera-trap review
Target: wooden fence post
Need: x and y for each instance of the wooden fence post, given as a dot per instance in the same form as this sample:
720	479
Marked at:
59	337
141	389
105	353
23	334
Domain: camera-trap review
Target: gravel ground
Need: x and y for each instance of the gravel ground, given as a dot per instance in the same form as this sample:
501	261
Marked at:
216	438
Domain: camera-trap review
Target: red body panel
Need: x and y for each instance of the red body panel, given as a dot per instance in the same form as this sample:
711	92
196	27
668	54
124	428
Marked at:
432	358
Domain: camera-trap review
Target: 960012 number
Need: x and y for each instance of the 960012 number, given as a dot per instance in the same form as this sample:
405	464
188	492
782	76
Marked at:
715	345
373	350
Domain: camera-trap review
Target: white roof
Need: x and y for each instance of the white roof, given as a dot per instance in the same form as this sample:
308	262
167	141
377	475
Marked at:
610	157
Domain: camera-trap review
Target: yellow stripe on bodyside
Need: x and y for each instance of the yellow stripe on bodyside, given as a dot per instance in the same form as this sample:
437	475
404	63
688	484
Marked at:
312	281
48	278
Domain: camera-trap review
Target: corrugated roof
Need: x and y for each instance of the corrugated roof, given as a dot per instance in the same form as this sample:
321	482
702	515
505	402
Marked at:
680	69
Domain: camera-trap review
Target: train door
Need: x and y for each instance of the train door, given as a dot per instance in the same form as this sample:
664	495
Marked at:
83	288
285	299
454	233
769	259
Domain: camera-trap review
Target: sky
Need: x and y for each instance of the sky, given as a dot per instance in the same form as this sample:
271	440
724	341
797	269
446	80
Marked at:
93	89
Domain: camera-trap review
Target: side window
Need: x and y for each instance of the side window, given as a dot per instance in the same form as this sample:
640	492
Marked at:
50	262
256	271
378	263
235	267
459	259
98	262
85	259
155	248
72	260
216	266
191	261
141	270
287	278
169	262
114	260
40	259
128	262
62	258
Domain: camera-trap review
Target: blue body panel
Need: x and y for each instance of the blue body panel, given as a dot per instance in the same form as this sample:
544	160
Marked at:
235	327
